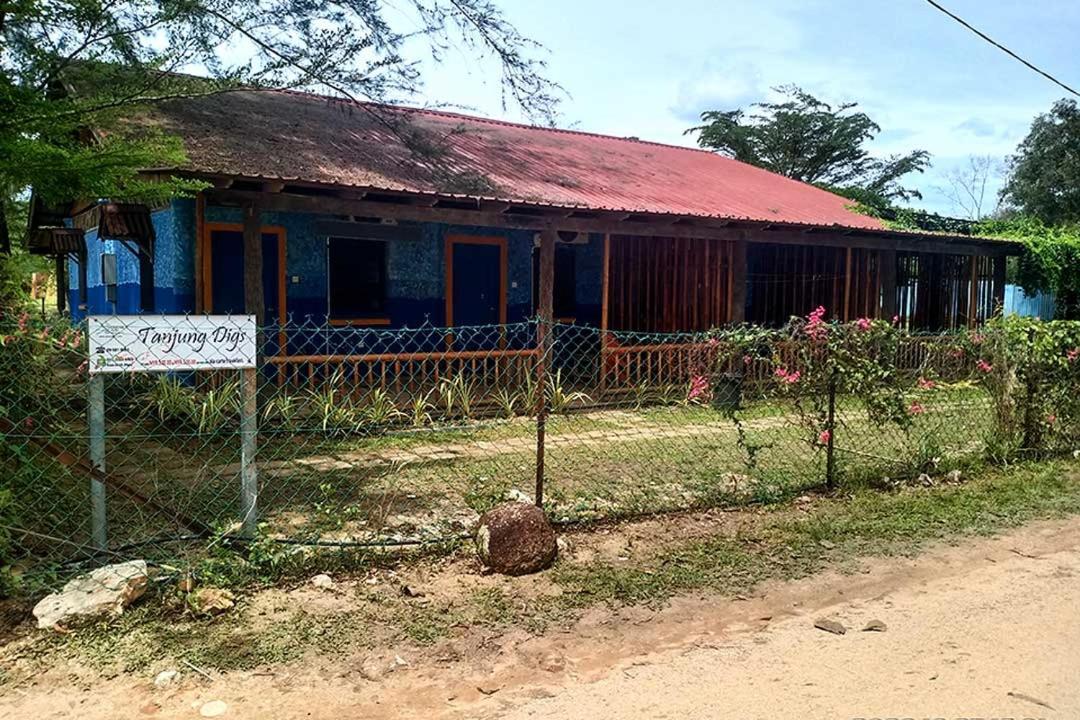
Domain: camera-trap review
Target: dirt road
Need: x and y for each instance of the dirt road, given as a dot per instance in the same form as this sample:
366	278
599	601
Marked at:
987	628
1000	639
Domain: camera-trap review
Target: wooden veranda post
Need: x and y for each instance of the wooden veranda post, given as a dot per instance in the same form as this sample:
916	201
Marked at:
999	285
200	251
887	276
253	266
544	339
605	291
61	283
737	279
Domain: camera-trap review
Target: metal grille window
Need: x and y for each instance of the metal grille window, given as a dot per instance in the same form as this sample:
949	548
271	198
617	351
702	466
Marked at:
108	276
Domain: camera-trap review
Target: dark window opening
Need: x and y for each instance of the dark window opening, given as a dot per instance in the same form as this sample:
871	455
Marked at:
356	278
564	289
108	276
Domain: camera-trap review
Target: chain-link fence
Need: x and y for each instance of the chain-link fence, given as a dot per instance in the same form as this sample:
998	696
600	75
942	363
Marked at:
367	436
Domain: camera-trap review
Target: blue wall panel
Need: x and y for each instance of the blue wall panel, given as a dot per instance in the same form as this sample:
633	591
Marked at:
415	269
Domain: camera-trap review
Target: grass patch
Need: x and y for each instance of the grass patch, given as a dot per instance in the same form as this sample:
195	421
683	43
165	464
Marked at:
837	531
776	543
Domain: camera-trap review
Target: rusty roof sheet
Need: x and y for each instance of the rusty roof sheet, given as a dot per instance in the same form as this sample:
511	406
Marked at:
292	136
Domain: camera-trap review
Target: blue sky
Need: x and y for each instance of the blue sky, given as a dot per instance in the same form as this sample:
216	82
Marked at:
649	68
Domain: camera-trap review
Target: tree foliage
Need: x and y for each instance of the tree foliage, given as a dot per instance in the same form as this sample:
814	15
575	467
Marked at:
813	141
1050	260
70	70
1044	174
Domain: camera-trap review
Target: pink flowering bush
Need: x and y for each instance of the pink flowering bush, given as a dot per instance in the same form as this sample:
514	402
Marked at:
699	391
1030	370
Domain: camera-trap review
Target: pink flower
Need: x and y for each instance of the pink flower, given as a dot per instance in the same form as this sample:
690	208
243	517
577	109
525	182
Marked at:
1051	419
785	377
926	384
1073	354
895	319
24	319
977	339
984	366
863	324
698	385
82	367
916	409
747	360
28	423
713	342
815	325
824	437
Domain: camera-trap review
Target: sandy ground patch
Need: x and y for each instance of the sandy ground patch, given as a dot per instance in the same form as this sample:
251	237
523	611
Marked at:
984	628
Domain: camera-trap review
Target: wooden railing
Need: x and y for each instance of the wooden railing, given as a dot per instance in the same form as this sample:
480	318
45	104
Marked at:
619	367
626	366
407	372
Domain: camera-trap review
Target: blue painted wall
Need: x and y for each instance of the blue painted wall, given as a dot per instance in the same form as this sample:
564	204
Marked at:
415	268
1017	302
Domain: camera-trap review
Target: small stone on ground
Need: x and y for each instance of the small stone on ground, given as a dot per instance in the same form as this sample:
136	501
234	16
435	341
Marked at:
166	678
323	582
830	626
213	708
875	626
211	601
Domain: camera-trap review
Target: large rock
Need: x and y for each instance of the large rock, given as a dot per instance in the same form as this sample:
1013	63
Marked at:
105	592
516	538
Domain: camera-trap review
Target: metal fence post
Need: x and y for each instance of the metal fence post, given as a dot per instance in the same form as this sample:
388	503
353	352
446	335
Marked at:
96	422
830	450
249	438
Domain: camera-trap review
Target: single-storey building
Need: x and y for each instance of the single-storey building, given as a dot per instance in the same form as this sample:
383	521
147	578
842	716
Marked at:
336	214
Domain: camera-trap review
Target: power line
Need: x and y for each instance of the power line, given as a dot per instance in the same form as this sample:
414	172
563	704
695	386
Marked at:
1001	47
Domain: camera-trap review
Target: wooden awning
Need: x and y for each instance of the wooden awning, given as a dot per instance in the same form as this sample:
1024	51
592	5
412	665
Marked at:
118	221
57	241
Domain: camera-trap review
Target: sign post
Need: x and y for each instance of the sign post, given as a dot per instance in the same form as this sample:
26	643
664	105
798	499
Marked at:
96	422
249	439
170	343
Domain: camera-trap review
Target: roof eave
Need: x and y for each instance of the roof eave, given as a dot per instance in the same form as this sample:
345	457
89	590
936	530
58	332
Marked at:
511	205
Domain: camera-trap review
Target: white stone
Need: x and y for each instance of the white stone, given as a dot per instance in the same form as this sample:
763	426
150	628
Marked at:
213	708
166	678
515	495
323	582
105	592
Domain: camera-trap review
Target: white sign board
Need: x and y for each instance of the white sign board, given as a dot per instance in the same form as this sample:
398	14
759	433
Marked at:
147	343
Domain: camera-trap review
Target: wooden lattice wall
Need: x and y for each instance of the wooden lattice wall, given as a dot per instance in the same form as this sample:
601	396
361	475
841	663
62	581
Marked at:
661	284
788	280
941	292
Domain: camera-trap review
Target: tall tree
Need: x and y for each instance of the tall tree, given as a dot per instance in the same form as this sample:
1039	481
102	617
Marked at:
1044	174
968	187
813	141
71	70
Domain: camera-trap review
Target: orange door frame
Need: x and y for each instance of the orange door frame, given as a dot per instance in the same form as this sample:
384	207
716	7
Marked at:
448	251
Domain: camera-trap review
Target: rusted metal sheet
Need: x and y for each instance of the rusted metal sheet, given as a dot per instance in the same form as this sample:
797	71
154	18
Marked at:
281	137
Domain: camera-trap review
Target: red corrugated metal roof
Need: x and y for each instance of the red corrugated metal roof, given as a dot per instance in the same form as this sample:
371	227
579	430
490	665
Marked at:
300	137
